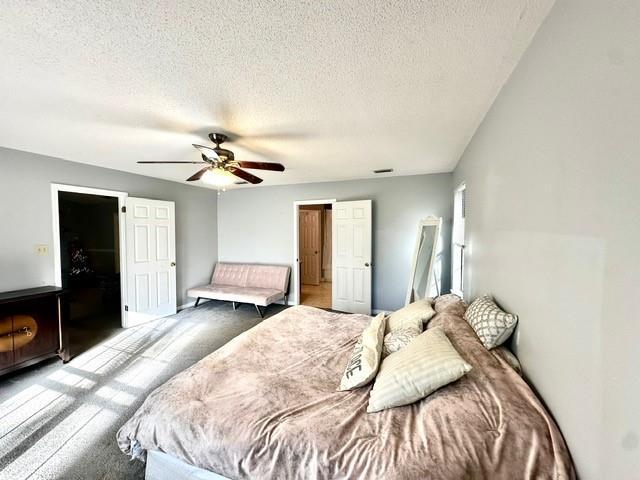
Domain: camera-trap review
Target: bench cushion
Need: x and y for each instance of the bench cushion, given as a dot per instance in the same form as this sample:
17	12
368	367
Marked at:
230	293
249	275
246	283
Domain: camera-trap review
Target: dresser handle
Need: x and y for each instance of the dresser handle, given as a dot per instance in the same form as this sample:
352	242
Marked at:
21	331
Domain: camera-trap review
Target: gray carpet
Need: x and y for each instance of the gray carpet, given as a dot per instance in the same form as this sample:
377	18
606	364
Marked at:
60	421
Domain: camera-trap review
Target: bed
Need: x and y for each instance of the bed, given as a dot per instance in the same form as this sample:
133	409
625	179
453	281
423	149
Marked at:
266	406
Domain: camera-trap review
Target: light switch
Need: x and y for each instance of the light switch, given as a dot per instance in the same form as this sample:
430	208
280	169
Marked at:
42	250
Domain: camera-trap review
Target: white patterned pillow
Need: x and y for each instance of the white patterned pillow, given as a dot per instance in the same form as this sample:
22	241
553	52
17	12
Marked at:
394	341
365	359
492	325
419	369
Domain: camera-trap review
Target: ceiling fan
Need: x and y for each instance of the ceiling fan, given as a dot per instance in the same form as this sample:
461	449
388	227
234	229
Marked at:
222	168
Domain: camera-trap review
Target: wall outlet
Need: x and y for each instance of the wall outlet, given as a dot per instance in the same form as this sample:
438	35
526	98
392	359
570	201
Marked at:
42	250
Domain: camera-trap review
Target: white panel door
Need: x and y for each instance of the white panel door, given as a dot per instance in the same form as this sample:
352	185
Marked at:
151	260
352	256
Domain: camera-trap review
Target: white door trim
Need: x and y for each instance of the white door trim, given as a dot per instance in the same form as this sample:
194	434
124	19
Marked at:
55	215
295	297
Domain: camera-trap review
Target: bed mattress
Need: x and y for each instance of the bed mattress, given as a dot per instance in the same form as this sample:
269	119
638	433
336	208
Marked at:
266	406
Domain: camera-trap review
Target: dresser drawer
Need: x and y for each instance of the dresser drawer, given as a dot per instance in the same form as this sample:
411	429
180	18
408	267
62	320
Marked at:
30	326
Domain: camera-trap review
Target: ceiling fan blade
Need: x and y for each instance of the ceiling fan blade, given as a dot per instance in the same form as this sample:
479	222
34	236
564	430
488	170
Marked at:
276	167
238	172
197	175
207	151
151	161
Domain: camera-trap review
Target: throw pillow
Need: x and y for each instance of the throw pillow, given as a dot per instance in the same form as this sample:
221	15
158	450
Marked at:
419	369
365	359
394	341
449	303
492	325
412	316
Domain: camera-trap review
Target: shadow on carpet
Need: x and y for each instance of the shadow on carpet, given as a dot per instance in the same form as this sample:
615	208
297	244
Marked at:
60	421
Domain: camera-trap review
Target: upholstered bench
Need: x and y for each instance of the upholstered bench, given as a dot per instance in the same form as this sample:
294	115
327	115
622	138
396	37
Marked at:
261	285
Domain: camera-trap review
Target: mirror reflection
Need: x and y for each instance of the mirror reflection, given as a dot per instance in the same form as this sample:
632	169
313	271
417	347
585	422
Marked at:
424	258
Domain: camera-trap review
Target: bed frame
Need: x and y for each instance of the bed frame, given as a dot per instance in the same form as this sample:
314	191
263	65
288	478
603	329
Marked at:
161	466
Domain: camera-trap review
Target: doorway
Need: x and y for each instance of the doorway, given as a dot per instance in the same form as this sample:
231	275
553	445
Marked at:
89	258
90	266
314	254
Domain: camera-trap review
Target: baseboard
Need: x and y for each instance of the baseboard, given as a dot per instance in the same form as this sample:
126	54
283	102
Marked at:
186	305
191	304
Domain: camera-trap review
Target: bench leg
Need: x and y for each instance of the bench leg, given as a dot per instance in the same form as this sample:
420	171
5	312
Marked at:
234	305
197	302
260	312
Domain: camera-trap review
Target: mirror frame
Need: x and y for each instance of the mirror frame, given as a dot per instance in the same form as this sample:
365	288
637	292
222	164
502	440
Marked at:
425	222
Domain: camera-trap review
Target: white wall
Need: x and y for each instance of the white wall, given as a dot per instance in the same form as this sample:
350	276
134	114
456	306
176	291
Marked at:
256	225
25	217
553	222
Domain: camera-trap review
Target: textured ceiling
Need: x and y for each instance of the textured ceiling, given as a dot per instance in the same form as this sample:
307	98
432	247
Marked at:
332	89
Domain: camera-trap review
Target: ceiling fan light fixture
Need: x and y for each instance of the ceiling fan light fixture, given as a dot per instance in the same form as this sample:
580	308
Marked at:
218	177
220	167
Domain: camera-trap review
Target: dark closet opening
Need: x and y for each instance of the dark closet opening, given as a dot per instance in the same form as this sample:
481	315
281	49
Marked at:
90	260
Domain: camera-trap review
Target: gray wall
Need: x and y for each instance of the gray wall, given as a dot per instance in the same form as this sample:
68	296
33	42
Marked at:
553	222
25	217
256	225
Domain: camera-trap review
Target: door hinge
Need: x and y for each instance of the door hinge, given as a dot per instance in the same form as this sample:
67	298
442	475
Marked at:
126	308
124	209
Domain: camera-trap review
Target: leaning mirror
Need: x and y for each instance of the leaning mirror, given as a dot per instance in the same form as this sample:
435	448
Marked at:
424	257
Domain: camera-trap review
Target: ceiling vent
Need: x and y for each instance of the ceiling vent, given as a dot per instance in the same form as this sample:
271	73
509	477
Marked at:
383	170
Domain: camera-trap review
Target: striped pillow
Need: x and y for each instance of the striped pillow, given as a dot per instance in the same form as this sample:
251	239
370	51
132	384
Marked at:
365	359
419	369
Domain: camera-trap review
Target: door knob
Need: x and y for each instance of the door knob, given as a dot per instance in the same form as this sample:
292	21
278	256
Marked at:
173	264
366	264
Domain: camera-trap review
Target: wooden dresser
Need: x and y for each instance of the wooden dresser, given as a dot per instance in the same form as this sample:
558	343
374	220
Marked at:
33	327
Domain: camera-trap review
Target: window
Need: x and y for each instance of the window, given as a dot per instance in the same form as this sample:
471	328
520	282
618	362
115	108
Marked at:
457	254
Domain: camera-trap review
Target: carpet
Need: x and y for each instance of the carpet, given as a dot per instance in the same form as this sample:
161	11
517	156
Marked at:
59	421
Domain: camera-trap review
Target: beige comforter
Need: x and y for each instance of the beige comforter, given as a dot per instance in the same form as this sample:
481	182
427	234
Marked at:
265	406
